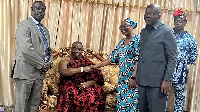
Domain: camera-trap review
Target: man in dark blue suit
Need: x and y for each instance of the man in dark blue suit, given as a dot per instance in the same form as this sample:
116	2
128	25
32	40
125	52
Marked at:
158	55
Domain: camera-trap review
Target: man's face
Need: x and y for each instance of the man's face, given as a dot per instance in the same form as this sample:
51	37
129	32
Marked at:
151	16
38	11
77	50
179	23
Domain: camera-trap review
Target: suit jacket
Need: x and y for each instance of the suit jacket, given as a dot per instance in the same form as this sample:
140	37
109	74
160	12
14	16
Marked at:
30	53
158	55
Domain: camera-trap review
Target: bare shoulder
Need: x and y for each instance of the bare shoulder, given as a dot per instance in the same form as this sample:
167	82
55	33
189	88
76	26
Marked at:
64	61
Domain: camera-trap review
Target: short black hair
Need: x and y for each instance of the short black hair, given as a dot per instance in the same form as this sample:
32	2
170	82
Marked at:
77	42
37	2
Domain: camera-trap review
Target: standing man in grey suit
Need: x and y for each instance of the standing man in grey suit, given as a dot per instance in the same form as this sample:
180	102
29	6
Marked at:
33	59
158	55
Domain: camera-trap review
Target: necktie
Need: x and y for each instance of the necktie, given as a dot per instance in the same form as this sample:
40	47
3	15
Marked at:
44	39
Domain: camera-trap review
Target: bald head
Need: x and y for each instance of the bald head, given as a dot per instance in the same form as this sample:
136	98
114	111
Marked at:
152	14
155	7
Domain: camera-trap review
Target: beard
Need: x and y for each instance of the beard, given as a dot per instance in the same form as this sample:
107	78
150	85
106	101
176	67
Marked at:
76	55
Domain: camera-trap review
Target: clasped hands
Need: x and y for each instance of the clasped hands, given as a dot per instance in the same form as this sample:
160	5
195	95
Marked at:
88	83
46	67
89	68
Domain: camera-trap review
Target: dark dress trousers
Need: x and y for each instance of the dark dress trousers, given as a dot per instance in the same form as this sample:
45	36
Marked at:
158	55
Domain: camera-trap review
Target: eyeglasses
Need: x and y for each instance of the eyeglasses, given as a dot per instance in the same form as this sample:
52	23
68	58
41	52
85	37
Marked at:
124	26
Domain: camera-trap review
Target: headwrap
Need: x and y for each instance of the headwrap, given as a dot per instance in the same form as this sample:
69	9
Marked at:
179	13
133	23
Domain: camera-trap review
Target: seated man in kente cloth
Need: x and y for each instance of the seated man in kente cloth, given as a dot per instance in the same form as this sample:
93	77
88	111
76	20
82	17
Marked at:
80	86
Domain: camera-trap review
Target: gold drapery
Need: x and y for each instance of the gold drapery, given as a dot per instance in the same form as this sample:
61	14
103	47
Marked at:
95	23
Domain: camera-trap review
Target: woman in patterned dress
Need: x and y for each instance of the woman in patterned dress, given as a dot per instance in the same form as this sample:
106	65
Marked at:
126	55
187	54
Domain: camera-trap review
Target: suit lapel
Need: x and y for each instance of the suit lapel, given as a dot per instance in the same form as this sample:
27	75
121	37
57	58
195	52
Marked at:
38	32
35	28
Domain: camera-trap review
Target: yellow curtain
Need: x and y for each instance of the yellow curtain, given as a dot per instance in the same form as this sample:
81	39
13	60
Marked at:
95	23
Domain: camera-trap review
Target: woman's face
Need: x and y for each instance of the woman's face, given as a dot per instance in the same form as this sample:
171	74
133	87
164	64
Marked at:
126	28
179	24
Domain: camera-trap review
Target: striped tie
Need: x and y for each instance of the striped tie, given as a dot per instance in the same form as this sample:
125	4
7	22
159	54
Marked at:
44	39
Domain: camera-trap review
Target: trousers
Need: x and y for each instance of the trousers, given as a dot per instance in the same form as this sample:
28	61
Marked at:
27	95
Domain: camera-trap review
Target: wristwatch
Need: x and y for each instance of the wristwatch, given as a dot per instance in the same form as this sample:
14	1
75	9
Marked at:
133	78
